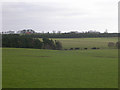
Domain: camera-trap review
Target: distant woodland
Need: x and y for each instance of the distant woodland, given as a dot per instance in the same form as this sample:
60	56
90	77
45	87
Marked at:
71	35
33	40
25	41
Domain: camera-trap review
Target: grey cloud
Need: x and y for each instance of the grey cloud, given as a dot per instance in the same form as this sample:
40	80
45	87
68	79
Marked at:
58	16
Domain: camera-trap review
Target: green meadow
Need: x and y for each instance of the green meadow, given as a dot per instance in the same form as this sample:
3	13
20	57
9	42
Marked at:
86	42
38	68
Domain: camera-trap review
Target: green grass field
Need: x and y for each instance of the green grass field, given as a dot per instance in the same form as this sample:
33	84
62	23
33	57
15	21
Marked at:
36	68
86	42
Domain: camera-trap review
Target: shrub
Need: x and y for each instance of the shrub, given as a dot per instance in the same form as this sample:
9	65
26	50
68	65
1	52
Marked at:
118	45
97	48
71	49
85	48
94	48
77	48
65	49
58	45
111	44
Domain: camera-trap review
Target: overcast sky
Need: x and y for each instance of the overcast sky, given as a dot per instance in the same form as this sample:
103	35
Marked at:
61	15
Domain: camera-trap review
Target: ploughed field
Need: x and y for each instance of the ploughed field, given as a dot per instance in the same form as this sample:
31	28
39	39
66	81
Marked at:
38	68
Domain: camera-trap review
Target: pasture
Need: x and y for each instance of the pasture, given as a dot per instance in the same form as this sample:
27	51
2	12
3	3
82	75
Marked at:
86	42
38	68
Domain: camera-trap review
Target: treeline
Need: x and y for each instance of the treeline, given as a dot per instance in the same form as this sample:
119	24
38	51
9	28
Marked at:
24	41
72	35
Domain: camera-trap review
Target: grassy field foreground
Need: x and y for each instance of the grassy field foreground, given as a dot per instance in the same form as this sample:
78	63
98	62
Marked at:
35	68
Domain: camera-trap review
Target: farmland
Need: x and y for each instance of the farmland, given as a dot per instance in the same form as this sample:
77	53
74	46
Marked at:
38	68
85	42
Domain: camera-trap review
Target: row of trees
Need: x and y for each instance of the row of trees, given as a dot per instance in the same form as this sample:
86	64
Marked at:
72	35
24	41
